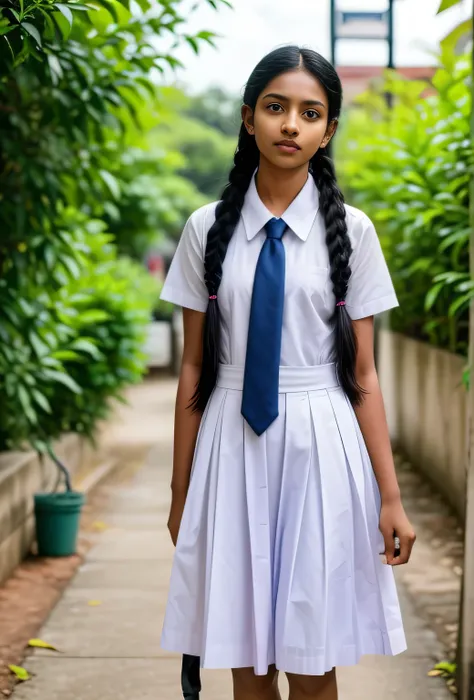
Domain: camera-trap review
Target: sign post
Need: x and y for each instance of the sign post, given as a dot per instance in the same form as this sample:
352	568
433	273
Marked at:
362	26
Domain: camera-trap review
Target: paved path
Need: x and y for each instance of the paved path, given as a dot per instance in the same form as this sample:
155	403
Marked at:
108	623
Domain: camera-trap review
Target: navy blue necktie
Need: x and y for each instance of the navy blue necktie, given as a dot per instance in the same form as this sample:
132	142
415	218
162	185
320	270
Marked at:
262	363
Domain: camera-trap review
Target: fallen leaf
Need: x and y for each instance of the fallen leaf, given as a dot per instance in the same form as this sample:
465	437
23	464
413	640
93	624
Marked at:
435	672
447	666
94	603
41	644
99	525
21	673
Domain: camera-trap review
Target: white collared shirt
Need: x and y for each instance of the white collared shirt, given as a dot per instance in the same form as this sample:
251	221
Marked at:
307	336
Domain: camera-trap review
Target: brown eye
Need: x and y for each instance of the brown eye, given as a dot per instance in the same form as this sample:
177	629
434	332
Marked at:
312	114
274	105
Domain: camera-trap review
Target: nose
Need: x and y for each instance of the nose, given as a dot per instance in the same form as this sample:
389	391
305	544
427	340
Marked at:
290	126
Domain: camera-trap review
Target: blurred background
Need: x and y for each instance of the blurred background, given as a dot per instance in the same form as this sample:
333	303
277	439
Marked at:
118	118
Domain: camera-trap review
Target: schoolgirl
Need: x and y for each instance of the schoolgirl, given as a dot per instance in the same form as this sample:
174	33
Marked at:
284	492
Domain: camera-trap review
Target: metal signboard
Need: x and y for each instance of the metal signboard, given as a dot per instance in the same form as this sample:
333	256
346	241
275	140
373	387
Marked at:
362	25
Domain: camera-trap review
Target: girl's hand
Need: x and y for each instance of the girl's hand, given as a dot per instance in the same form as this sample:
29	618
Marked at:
176	513
393	521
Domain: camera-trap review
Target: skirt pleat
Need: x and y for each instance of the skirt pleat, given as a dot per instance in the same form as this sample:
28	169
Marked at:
277	559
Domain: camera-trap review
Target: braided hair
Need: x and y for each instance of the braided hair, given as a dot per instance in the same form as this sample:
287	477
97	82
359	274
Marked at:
228	210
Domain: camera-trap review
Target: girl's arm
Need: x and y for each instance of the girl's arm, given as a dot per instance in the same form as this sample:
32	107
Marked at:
373	424
371	414
186	424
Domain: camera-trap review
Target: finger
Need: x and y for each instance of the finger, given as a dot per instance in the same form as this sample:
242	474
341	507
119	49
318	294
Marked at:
406	545
389	545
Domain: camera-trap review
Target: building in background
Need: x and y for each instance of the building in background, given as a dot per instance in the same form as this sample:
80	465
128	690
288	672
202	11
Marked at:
357	79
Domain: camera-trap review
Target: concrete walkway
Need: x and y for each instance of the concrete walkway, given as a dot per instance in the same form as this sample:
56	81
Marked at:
107	625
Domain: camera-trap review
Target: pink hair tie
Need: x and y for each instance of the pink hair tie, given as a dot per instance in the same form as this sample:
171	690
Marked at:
213	296
341	303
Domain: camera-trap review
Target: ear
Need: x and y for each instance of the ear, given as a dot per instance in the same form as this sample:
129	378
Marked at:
330	131
247	118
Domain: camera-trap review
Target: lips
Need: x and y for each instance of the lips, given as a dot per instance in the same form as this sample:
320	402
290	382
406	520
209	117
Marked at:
289	144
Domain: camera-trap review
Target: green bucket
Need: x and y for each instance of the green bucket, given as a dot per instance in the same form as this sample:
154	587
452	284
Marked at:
57	522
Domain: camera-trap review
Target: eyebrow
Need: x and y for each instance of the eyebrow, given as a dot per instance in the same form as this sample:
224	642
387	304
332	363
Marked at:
285	99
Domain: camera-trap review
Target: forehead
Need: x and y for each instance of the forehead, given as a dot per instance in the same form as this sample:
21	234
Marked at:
298	85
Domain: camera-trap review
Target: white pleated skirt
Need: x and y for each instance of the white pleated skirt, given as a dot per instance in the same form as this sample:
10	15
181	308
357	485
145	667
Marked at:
278	555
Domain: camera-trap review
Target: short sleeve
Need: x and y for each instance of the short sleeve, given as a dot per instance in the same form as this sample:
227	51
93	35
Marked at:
370	289
184	284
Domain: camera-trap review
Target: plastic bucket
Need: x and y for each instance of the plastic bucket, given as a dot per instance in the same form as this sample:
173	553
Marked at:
57	522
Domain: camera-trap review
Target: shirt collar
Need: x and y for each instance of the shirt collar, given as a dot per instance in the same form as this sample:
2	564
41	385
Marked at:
299	216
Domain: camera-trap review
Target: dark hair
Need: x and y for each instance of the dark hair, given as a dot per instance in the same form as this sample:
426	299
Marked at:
331	202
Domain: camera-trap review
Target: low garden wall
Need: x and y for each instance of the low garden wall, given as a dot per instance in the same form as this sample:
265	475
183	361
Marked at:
426	406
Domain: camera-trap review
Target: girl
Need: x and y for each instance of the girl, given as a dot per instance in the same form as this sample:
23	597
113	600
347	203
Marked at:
292	494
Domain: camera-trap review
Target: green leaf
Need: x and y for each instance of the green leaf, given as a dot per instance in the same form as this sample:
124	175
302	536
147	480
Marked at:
6	30
111	182
39	643
20	672
450	277
93	316
454	40
446	666
41	400
193	43
433	295
62	378
55	68
446	4
27	308
66	355
208	37
26	404
31	29
64	9
39	346
458	303
88	347
71	266
63	26
109	6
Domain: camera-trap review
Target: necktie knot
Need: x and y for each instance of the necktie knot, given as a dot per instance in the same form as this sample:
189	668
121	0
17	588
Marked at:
275	228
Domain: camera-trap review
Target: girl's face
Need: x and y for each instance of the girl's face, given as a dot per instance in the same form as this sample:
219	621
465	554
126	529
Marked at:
290	120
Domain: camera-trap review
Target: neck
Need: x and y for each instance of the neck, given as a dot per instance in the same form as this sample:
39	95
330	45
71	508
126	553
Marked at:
278	187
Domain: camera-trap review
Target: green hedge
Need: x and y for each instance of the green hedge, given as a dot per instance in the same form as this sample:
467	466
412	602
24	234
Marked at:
408	167
66	349
78	94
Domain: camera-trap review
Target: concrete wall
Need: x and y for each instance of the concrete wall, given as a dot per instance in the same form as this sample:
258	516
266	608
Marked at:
21	475
158	344
164	343
426	406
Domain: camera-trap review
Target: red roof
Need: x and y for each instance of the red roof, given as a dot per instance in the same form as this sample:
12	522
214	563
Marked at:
357	79
411	72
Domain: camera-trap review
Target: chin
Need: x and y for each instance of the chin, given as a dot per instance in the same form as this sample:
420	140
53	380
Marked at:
288	162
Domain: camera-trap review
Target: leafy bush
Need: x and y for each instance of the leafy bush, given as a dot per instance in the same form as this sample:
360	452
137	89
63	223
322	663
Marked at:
409	169
73	78
76	347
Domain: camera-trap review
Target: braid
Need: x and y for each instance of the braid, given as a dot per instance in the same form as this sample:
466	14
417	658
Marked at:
340	249
228	211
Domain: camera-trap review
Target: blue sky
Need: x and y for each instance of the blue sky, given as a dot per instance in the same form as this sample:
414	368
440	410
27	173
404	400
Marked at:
254	27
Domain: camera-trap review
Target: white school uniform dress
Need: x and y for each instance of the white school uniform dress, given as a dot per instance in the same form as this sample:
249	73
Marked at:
277	559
